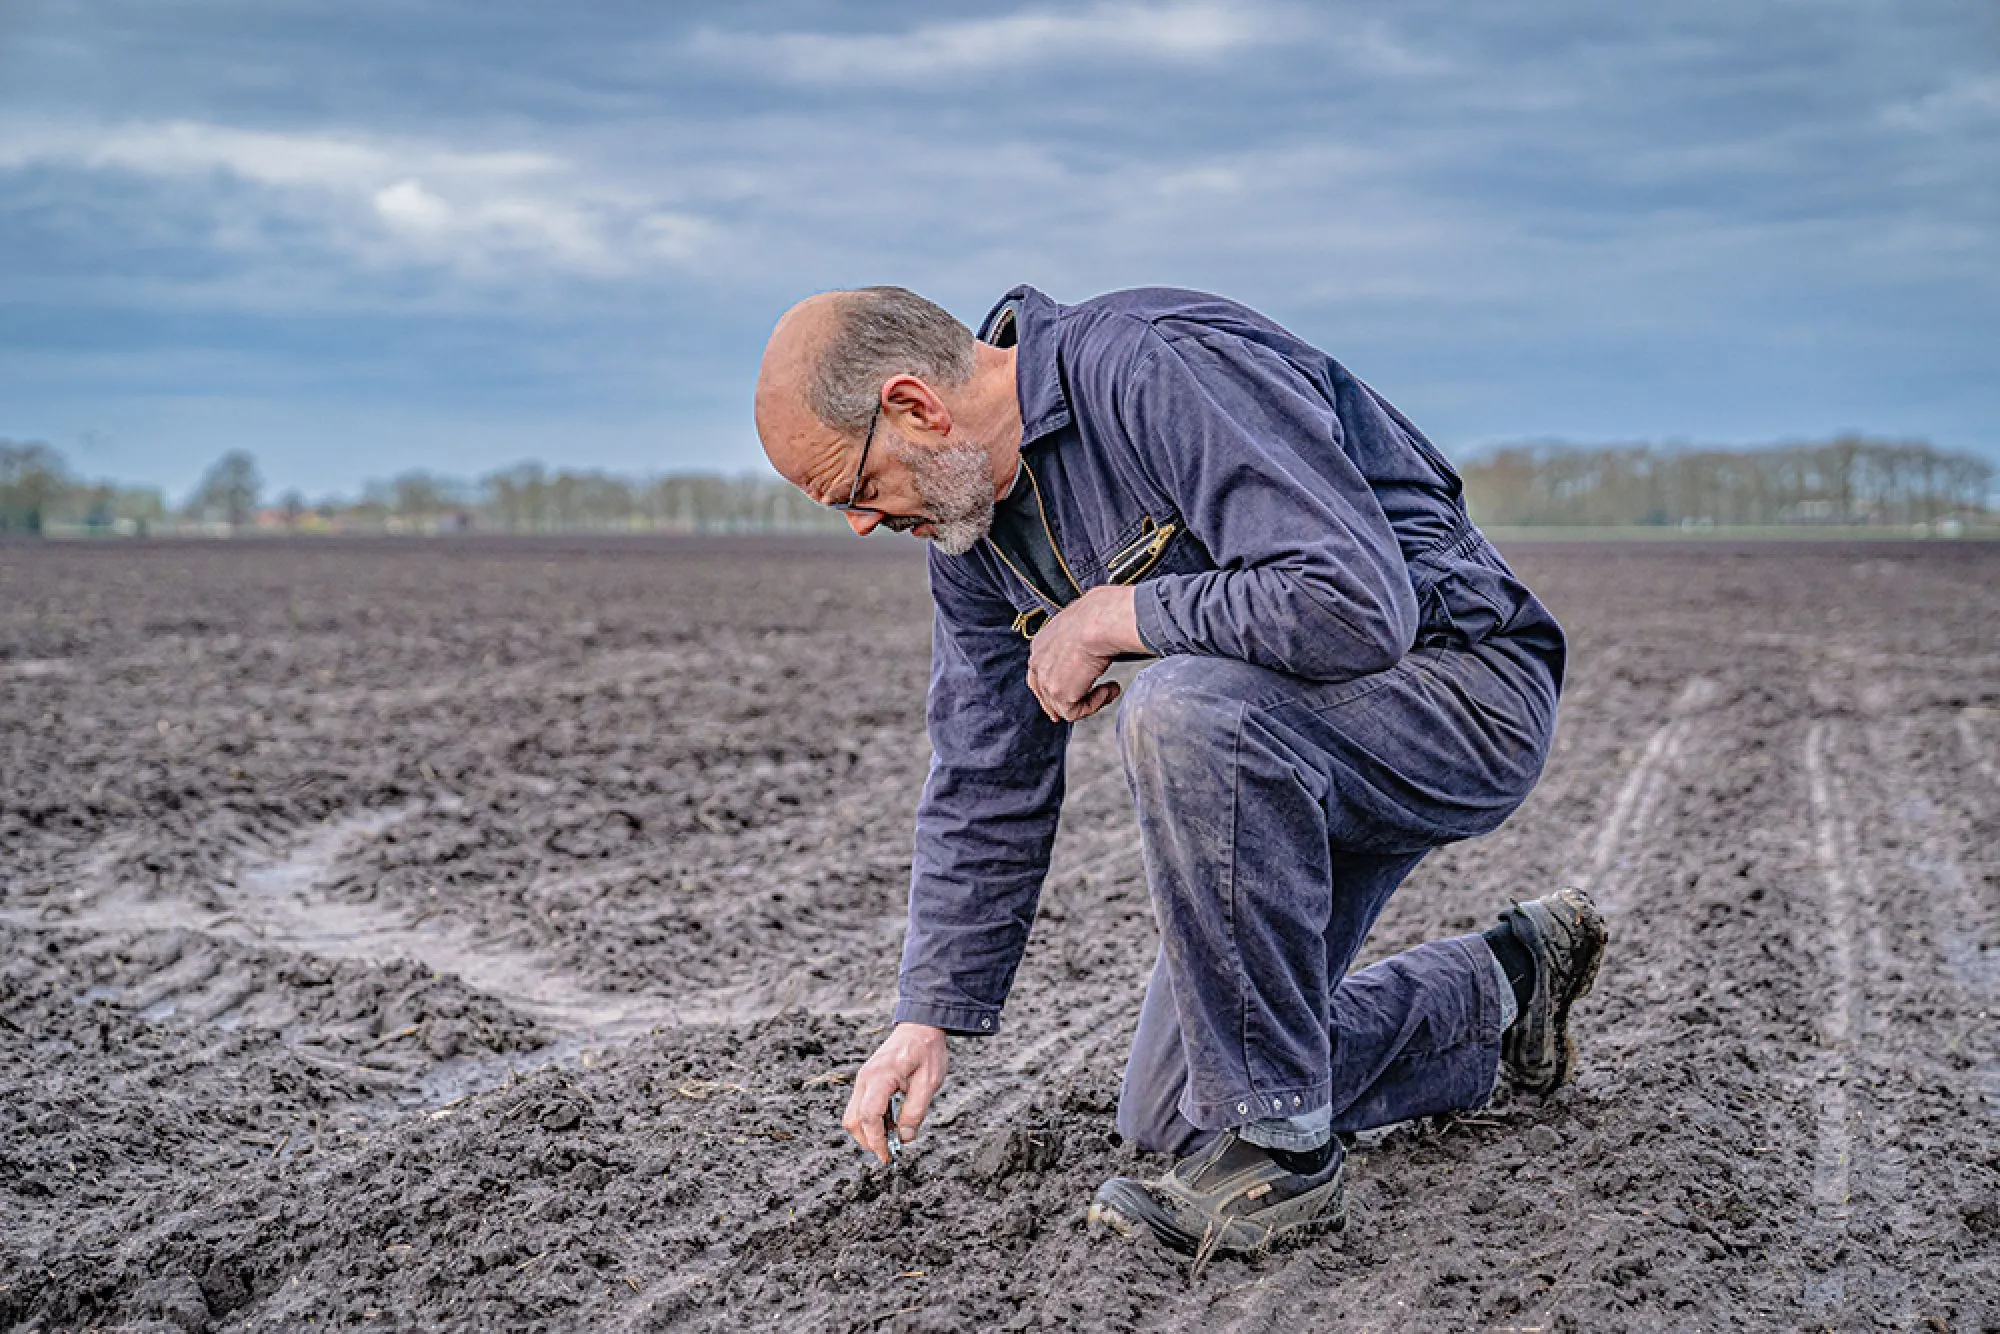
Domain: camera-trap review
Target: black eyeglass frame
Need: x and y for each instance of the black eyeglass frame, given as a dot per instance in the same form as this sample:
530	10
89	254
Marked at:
860	470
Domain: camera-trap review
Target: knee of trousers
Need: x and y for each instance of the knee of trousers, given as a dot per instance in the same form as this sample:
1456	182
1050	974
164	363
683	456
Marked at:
1175	714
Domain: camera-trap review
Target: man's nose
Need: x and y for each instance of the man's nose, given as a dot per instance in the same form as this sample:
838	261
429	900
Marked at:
863	522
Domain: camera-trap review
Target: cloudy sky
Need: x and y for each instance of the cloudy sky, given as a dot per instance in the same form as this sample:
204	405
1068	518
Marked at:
359	237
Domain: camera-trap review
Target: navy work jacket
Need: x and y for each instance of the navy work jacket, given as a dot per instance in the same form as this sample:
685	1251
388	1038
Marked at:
1267	505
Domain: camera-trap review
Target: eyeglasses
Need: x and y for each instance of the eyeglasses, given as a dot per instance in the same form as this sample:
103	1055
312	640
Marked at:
860	469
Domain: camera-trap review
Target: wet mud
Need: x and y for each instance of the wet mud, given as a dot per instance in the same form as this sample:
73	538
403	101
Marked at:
481	935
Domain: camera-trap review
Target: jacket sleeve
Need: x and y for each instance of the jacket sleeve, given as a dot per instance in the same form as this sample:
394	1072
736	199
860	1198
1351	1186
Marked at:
988	814
1310	577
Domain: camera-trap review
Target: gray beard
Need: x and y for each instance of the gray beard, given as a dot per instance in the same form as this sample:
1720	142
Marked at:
955	484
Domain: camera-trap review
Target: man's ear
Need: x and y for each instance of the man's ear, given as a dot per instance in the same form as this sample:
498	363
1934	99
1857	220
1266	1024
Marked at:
914	408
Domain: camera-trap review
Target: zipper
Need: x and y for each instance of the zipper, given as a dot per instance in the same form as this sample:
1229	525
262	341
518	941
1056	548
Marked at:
1031	620
1128	566
1026	582
1131	564
1042	509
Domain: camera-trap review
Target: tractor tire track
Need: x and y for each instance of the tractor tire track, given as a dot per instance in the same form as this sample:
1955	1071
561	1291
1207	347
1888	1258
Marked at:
1904	976
1839	1028
1624	828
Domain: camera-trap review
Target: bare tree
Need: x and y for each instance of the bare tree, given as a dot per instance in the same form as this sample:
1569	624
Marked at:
34	481
228	491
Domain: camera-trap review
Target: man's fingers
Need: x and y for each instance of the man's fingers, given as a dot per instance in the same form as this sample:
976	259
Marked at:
1100	695
1058	706
916	1103
867	1110
1064	677
873	1137
852	1122
1090	701
1041	695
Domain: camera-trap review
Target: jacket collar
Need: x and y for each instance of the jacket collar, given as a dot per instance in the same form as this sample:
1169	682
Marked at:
1029	321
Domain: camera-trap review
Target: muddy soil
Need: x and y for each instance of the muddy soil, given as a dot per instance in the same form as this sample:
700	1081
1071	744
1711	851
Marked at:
480	935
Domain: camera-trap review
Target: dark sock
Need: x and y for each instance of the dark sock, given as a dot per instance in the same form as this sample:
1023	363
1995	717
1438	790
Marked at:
1305	1162
1515	961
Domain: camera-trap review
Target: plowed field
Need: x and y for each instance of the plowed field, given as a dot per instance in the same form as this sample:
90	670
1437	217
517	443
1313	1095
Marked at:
480	935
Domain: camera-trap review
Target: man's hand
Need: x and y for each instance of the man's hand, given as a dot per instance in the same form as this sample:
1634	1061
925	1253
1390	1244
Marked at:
1075	646
910	1061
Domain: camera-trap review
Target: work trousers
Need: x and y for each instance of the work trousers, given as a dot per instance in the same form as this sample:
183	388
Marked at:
1277	815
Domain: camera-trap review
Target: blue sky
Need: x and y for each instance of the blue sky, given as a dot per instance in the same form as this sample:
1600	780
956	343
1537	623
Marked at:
358	238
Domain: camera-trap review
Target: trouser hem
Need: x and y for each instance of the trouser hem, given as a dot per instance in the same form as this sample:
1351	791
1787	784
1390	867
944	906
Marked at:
1496	1010
1228	1113
1282	1134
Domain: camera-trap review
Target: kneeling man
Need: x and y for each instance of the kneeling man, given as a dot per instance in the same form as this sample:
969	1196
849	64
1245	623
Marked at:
1349	676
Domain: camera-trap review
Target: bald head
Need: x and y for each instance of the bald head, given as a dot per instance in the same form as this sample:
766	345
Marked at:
830	359
883	365
791	431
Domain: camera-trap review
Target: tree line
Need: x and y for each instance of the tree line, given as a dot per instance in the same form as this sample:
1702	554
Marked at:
1851	480
40	494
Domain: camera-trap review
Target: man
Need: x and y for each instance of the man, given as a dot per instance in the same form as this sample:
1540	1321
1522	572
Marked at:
1350	675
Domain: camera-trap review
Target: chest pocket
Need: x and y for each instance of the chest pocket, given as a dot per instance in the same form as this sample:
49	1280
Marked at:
1142	552
1152	546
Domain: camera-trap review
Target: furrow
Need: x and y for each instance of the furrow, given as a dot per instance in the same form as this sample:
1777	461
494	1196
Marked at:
1901	970
1625	826
194	967
1833	1166
993	1093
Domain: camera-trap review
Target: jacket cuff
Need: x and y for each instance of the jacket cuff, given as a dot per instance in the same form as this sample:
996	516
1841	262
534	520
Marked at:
1152	619
951	1018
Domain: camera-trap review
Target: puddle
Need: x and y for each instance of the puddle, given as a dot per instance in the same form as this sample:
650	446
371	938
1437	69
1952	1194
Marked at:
445	1085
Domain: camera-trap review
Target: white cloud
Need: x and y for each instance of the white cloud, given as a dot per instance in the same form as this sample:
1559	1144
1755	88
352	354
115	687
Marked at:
1376	48
388	203
408	206
673	236
1959	105
1175	32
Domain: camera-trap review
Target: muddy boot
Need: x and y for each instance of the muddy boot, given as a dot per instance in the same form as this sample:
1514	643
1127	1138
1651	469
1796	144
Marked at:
1229	1198
1564	935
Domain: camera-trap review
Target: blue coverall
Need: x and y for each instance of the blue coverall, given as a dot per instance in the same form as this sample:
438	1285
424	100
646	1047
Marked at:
1350	675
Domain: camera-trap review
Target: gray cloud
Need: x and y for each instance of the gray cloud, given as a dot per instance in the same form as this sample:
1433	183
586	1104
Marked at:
1178	32
1702	218
384	202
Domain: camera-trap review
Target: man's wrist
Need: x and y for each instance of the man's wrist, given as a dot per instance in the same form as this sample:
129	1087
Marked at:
1148	619
1116	628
